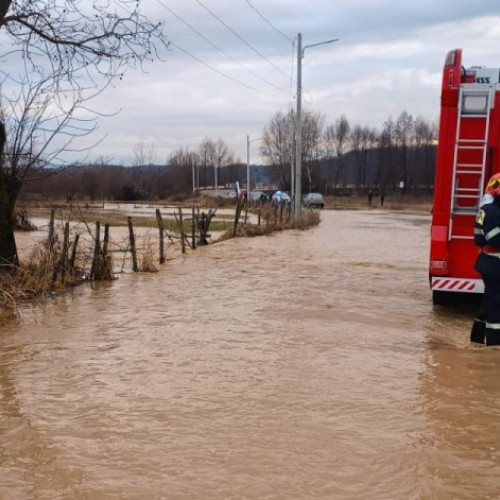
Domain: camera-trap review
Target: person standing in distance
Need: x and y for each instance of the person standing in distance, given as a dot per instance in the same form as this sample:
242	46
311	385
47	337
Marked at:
486	326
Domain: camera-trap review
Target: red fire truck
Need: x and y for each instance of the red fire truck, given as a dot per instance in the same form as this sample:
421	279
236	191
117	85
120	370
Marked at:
468	154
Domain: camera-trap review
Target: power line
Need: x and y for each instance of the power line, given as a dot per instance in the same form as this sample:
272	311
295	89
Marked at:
242	39
201	35
221	72
268	22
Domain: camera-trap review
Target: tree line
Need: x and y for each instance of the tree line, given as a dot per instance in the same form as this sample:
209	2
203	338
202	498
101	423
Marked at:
211	164
340	156
337	158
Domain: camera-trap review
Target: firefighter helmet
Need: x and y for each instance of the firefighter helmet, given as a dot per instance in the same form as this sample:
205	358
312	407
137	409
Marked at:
493	186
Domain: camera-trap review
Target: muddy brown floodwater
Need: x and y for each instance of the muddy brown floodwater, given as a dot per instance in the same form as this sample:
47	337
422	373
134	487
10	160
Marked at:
305	365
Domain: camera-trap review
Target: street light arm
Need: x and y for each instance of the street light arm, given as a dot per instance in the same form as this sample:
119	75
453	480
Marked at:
319	43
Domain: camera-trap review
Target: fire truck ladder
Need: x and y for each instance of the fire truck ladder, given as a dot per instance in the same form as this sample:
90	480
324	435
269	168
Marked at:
468	175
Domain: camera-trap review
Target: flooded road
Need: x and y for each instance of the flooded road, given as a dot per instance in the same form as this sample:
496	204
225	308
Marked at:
298	366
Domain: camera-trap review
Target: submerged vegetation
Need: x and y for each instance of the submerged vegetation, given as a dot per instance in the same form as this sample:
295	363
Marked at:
39	276
308	218
54	264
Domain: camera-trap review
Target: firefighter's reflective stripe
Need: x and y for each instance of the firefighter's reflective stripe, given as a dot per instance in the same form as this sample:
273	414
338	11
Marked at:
493	326
493	254
491	234
491	250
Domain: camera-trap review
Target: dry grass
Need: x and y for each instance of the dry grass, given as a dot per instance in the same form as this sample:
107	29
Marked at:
8	303
148	257
271	224
40	275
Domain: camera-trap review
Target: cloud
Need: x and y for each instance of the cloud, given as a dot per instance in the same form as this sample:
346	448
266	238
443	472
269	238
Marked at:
389	58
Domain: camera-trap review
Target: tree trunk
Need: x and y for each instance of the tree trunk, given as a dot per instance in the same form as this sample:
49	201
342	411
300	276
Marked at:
4	7
9	189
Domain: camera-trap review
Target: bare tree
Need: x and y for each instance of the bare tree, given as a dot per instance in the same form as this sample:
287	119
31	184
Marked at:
386	160
312	131
39	127
143	154
207	154
425	137
221	156
337	136
362	140
404	133
180	171
277	145
80	47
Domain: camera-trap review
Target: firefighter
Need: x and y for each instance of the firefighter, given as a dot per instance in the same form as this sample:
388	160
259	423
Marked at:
486	326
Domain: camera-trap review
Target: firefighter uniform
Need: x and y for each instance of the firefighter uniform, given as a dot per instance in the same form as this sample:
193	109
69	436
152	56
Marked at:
486	326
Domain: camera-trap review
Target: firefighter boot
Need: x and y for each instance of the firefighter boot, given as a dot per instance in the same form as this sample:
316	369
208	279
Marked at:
478	333
492	336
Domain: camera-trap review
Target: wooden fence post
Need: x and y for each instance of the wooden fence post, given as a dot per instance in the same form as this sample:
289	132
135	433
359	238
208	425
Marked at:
106	241
94	271
239	207
133	249
108	263
181	226
193	229
73	252
65	247
50	242
60	267
160	231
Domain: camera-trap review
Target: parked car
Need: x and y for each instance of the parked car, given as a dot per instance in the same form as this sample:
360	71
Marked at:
285	197
281	197
256	195
314	200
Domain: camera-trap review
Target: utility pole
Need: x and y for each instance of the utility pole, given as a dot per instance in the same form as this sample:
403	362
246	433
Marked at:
248	167
297	205
298	125
192	170
248	161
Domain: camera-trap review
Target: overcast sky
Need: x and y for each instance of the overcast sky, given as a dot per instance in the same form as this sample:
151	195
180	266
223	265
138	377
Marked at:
232	67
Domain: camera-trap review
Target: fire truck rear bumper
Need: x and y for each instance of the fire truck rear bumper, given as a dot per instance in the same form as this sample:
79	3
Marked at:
446	284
